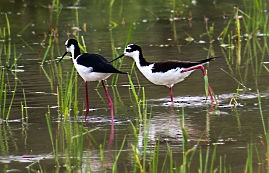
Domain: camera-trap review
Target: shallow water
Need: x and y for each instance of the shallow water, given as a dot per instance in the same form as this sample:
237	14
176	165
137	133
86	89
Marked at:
161	31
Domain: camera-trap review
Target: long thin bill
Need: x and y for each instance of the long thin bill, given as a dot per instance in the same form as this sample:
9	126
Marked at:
63	56
117	58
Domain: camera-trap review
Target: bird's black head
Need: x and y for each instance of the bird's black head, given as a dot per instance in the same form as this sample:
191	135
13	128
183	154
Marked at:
71	46
70	42
132	48
134	51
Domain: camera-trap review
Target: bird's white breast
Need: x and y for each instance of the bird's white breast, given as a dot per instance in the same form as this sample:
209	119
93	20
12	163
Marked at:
168	78
88	74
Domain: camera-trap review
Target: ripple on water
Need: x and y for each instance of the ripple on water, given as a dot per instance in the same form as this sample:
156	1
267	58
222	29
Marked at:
24	158
201	101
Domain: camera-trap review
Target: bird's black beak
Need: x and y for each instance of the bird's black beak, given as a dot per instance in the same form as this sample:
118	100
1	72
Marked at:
117	58
63	56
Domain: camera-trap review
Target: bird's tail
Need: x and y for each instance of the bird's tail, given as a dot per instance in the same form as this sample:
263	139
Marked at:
207	60
120	72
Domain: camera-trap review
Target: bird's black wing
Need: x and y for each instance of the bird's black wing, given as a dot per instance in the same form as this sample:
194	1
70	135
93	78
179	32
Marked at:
166	66
97	62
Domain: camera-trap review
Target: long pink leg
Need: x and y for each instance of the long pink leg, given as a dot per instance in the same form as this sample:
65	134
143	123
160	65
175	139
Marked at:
111	136
171	94
110	103
87	101
204	73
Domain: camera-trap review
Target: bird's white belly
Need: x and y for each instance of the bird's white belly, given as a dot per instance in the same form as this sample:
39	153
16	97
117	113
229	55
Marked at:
88	75
168	78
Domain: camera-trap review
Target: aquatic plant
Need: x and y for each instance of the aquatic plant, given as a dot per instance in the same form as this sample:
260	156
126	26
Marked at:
67	93
5	32
54	147
244	41
52	36
249	25
8	50
140	101
149	158
68	143
5	114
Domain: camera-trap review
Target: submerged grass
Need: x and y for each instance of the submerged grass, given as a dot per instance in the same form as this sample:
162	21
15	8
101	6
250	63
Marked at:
8	51
247	37
54	148
152	158
5	33
9	64
265	136
67	97
67	142
245	44
52	45
140	101
5	108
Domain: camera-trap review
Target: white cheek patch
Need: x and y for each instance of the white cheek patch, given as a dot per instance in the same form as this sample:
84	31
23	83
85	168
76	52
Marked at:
72	47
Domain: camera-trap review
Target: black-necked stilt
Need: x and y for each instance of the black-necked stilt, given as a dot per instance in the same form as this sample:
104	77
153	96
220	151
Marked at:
164	73
91	67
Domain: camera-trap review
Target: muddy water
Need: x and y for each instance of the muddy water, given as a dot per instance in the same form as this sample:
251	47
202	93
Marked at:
161	30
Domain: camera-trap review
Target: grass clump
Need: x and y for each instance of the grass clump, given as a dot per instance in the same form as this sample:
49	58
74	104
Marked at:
5	31
154	158
5	113
67	143
67	97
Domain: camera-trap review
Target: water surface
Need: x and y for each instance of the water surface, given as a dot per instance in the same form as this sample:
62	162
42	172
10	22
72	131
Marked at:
161	29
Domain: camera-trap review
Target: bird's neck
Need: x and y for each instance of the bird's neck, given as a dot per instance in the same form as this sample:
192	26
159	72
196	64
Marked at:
76	53
142	61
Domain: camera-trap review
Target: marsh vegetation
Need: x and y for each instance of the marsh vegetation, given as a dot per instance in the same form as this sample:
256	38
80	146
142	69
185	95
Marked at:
42	104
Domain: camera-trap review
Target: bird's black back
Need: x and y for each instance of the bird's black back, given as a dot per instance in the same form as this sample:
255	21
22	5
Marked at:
97	62
166	66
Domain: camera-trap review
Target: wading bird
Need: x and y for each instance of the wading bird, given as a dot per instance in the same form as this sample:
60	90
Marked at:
165	73
91	67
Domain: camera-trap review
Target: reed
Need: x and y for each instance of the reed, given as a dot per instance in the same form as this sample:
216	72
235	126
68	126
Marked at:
247	44
2	93
52	42
66	98
23	116
114	167
246	34
9	59
140	147
10	56
8	27
249	160
5	108
47	50
7	139
140	99
54	148
249	25
67	143
5	31
118	64
265	136
7	114
148	159
56	8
